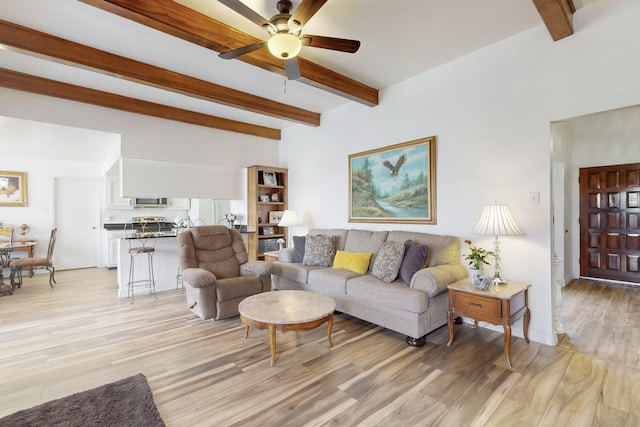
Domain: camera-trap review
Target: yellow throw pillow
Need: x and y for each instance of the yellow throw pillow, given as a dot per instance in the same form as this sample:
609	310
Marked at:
353	261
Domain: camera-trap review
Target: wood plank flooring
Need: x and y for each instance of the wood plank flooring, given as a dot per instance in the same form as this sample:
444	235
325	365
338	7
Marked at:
54	342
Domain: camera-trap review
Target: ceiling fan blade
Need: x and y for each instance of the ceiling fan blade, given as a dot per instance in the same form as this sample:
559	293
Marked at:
342	45
246	11
292	68
242	50
306	10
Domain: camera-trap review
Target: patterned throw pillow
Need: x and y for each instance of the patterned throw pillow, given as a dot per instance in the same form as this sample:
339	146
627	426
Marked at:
388	261
415	258
319	250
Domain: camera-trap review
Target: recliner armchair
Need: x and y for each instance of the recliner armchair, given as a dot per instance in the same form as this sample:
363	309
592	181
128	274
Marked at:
216	271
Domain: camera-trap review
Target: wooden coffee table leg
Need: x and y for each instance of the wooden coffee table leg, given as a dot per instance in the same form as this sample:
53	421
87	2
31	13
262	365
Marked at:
272	343
246	331
329	328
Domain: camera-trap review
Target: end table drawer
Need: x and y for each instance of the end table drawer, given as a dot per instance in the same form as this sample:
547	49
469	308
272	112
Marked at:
478	307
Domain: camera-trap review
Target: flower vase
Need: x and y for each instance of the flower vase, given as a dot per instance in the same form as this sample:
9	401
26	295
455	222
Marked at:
475	271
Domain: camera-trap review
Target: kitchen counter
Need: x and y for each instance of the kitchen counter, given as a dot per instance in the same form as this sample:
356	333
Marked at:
165	265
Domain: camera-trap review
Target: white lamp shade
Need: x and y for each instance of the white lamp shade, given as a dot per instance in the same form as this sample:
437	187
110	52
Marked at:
496	220
289	219
284	45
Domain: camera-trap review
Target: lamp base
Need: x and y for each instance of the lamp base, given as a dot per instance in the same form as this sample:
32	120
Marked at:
497	280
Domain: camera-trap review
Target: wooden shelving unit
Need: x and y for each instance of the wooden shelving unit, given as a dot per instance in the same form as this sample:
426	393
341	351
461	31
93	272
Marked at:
267	200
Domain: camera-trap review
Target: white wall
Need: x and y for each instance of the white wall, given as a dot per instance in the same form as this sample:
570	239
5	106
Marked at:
40	175
491	112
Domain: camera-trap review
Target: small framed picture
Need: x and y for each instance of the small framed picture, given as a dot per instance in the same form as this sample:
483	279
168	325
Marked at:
275	197
267	230
264	198
269	178
275	216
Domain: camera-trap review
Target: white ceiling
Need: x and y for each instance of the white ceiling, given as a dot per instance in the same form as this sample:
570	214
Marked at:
399	39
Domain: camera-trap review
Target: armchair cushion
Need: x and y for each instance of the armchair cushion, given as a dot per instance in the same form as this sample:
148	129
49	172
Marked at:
259	268
237	287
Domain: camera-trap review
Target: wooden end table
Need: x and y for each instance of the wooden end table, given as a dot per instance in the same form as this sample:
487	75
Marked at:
286	311
271	256
499	305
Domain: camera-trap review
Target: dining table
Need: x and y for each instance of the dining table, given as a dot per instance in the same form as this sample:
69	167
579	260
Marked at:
7	248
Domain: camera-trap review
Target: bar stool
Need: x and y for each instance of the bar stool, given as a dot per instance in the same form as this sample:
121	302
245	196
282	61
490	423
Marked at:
141	237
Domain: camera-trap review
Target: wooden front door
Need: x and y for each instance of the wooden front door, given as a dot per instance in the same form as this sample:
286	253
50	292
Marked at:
610	222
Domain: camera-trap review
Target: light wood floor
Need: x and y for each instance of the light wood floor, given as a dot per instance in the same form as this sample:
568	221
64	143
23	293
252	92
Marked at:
203	373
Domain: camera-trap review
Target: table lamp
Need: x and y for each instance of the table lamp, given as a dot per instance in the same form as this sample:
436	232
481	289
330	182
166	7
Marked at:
289	219
496	220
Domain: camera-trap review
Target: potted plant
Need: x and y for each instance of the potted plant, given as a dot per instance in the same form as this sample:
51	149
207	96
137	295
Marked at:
477	257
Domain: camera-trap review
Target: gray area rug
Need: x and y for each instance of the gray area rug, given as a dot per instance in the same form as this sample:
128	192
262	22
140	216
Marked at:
128	402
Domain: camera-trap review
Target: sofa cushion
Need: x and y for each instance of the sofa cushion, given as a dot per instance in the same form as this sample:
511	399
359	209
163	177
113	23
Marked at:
415	258
292	271
442	249
298	248
319	250
353	261
330	282
388	261
396	295
365	241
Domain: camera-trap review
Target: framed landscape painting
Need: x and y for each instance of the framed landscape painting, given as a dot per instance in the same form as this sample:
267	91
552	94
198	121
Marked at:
13	188
394	184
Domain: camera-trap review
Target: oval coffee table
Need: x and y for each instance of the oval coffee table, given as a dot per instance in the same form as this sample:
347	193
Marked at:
286	311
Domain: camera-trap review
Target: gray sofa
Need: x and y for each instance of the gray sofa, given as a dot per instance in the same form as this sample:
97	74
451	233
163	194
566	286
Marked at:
413	309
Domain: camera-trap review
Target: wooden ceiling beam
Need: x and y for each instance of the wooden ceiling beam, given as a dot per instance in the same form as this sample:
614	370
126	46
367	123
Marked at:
557	16
177	20
42	86
31	41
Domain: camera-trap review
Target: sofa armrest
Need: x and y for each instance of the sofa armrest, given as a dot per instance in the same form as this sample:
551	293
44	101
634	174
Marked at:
434	280
286	255
198	277
255	268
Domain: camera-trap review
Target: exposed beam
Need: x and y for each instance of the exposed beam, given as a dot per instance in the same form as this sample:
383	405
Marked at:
34	42
557	16
173	18
39	85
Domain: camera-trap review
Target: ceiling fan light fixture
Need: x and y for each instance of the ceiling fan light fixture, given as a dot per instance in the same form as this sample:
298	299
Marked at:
284	45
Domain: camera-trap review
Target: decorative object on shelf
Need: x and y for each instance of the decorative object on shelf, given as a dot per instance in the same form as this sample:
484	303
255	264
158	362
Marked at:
280	243
264	198
182	224
269	178
24	229
267	230
394	184
289	219
496	220
13	188
481	281
275	217
230	218
477	257
275	197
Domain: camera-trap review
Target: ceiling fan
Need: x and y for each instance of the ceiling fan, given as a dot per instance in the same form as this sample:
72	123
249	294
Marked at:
285	30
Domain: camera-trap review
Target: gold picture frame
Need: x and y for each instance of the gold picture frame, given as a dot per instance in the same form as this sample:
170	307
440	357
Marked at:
13	188
394	184
275	216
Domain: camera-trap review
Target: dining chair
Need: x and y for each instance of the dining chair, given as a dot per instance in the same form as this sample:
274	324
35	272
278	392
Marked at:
6	239
17	265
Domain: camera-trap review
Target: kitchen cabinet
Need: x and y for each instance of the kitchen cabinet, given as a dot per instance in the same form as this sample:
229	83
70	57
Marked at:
114	200
113	240
179	203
